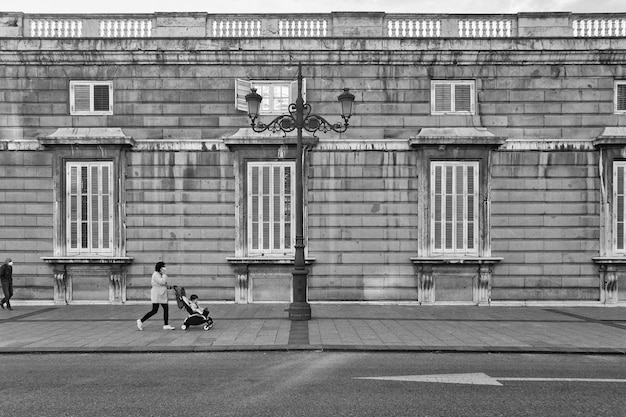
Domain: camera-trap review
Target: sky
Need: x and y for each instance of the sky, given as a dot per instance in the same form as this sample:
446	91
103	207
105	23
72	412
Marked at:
313	6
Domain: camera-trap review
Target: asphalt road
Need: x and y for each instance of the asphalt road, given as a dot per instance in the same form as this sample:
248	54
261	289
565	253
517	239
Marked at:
312	384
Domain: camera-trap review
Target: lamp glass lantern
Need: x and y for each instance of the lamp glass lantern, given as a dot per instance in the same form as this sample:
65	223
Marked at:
254	103
346	99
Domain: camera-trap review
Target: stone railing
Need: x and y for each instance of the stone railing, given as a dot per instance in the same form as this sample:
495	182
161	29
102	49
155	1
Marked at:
599	26
336	24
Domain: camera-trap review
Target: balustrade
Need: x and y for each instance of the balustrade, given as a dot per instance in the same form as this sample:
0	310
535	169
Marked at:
56	28
125	28
485	28
302	28
337	24
594	28
237	28
399	28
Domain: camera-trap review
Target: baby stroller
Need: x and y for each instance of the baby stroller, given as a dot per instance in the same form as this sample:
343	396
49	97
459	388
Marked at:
195	318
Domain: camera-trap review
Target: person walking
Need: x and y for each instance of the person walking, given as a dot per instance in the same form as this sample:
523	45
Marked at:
158	295
6	278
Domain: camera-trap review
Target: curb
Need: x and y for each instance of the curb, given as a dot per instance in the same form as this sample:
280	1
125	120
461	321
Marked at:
317	348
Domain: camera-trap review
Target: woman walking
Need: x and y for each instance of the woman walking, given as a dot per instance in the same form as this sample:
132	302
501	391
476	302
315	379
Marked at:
158	295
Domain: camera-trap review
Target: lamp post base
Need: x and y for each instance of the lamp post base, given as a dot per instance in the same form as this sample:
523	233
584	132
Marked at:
299	311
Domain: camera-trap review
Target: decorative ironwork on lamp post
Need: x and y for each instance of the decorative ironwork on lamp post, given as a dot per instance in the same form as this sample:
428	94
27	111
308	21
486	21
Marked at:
299	118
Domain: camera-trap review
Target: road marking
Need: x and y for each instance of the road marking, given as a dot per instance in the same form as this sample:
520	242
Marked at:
563	379
480	379
468	379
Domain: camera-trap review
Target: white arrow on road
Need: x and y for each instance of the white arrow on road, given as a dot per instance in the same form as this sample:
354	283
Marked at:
479	379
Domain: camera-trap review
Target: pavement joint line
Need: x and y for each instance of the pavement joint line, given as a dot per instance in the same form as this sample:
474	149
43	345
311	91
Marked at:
609	323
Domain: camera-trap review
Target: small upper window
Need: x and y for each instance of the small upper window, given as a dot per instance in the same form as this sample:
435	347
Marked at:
452	97
91	97
620	97
277	95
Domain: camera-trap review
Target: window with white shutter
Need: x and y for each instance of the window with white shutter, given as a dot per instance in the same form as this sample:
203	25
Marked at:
619	215
277	95
271	194
454	207
620	97
91	98
452	97
89	207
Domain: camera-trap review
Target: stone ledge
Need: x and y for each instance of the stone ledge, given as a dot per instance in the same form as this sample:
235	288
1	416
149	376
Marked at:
263	260
611	136
450	260
617	260
456	136
87	260
98	136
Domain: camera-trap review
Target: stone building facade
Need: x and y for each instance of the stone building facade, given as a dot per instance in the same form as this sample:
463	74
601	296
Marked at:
484	162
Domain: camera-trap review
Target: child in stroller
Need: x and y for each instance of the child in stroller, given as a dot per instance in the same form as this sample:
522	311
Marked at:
197	315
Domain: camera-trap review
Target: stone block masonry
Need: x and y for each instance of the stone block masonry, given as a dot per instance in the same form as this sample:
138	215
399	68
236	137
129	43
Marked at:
545	206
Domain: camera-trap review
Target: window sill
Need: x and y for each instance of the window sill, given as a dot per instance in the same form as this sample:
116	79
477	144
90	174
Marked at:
266	260
88	259
478	260
616	259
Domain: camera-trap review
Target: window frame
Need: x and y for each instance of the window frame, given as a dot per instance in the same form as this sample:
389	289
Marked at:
284	249
102	250
242	88
454	250
453	85
91	111
619	84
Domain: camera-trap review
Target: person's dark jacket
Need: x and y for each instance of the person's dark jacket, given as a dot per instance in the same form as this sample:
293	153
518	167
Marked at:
6	272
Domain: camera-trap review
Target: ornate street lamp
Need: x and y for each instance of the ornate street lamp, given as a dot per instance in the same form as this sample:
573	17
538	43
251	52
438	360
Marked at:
299	118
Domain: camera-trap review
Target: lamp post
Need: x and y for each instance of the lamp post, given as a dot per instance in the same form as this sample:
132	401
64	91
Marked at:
299	118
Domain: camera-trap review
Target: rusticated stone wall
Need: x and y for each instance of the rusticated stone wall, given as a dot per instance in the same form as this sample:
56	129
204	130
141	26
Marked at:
175	98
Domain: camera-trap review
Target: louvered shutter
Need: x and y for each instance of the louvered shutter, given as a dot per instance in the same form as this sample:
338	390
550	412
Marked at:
294	91
621	97
454	207
443	97
619	194
270	207
242	89
101	97
462	98
437	208
82	98
472	202
89	208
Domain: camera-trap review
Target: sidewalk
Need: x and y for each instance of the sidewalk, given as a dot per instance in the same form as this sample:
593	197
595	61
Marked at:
265	327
